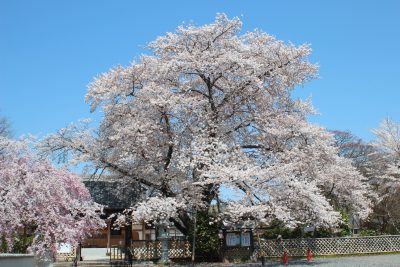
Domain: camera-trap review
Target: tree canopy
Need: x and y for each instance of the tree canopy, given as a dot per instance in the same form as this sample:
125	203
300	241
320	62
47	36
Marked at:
384	173
211	111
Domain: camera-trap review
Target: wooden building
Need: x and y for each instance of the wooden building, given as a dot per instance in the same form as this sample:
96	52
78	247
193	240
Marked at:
116	196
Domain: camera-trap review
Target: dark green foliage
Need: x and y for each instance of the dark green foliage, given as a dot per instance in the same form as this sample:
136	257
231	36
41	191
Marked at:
3	245
20	245
345	225
368	232
207	238
285	233
277	229
320	232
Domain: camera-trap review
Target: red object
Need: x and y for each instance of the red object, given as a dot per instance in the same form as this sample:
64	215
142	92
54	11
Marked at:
285	258
309	255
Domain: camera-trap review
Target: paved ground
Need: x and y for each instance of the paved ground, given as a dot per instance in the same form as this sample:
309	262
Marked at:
92	254
389	260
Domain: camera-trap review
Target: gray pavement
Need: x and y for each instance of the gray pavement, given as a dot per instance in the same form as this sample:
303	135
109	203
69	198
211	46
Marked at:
388	260
94	254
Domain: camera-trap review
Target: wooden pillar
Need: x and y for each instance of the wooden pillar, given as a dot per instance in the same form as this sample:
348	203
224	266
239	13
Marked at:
144	231
128	242
108	236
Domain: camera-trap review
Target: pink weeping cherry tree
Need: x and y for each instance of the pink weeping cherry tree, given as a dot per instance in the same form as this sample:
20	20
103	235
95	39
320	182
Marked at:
47	204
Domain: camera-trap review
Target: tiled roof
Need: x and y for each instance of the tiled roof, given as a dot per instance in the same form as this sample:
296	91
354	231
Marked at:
113	194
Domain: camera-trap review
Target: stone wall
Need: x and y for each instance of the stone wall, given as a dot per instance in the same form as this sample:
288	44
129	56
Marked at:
17	260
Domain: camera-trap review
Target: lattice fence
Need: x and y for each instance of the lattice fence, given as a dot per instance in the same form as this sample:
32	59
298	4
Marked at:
328	246
148	250
66	255
179	249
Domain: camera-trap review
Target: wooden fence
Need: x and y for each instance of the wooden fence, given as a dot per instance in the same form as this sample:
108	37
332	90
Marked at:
67	254
179	249
327	246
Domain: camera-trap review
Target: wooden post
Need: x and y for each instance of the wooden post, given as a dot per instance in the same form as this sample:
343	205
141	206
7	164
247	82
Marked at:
194	236
144	231
128	242
108	237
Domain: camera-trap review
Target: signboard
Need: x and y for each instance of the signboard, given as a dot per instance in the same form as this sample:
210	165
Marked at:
245	239
64	248
236	239
232	239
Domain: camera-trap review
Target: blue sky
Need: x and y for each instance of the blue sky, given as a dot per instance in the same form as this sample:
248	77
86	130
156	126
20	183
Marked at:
51	50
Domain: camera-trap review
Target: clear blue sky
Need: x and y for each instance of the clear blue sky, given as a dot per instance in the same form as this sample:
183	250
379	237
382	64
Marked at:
51	50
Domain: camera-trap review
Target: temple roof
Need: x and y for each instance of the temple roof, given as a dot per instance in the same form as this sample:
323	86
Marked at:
113	194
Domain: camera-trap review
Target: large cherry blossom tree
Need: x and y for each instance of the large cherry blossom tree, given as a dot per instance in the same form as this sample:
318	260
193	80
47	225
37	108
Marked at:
384	172
50	204
210	113
387	142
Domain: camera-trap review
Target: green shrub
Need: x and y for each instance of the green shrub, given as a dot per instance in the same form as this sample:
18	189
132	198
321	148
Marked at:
20	244
207	238
368	232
